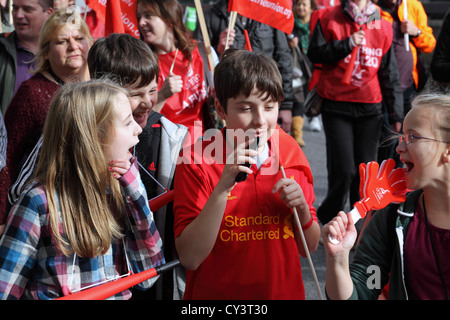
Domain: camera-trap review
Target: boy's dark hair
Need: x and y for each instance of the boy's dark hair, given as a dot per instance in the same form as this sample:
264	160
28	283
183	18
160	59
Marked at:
241	71
123	59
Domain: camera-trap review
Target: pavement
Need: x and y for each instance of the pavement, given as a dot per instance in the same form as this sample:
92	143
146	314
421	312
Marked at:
316	154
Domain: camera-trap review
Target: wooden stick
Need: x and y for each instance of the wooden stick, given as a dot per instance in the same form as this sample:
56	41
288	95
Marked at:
10	12
305	245
233	16
201	20
173	63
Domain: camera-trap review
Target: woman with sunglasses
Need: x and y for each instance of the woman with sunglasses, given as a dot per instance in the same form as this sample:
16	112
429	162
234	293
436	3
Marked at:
404	244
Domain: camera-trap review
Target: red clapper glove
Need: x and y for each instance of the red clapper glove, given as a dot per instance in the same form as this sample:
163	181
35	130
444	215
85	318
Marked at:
379	186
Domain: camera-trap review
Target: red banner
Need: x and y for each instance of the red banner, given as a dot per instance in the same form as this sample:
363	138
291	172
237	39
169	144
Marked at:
118	16
275	13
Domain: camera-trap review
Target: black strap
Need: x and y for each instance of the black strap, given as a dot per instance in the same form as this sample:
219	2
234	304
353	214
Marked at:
57	79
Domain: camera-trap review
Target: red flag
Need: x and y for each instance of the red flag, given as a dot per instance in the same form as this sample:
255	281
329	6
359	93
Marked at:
275	13
113	17
118	16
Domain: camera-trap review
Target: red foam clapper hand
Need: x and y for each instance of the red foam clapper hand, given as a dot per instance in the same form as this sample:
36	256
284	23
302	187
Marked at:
379	186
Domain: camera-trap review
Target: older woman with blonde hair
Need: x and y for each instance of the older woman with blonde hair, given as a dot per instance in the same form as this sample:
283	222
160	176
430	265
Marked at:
62	58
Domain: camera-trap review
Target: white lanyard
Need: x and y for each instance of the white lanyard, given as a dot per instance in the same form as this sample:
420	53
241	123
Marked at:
71	279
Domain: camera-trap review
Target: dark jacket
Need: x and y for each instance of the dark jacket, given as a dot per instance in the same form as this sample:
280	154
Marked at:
440	63
263	38
381	245
8	54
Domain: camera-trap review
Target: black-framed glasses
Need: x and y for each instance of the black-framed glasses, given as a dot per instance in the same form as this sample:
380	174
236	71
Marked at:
411	137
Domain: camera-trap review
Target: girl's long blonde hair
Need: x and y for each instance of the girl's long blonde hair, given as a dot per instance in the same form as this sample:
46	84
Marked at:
83	197
439	114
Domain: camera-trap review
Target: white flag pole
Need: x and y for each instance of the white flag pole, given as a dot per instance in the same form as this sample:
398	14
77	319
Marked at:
405	17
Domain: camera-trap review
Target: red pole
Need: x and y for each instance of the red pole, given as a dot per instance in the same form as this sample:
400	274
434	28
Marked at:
248	45
109	289
160	201
351	65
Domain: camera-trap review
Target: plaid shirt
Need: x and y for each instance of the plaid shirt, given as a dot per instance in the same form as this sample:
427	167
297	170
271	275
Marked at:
31	266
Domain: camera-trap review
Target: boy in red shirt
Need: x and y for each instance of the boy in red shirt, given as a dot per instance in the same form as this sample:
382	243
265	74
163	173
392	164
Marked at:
238	240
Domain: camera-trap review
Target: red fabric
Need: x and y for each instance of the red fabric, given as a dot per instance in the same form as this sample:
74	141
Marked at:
255	255
277	14
327	3
248	45
185	107
24	121
96	27
117	16
364	86
113	18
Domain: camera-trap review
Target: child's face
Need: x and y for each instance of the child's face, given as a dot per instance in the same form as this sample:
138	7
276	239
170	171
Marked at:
125	130
251	113
142	101
422	157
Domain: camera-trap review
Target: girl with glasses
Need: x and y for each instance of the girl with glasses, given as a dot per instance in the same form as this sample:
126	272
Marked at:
406	244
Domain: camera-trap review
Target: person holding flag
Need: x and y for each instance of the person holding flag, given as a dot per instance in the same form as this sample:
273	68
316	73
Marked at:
182	79
263	38
352	113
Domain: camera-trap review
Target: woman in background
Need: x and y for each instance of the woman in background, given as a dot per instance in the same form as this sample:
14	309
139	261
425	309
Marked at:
182	87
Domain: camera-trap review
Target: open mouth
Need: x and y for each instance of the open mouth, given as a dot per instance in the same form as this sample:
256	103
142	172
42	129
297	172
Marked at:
140	116
409	166
145	31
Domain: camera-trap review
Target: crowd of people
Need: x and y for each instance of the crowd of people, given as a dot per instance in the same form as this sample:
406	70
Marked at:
92	128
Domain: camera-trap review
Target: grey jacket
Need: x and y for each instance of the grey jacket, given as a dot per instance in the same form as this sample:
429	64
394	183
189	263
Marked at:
381	246
8	62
